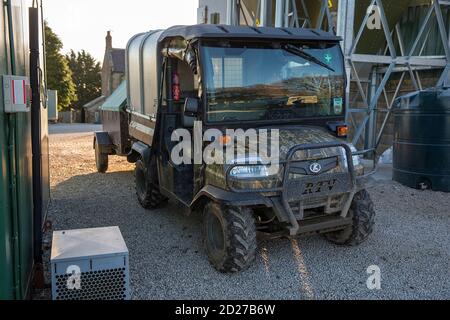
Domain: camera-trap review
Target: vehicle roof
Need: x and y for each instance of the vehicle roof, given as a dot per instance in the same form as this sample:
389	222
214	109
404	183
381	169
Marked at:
210	31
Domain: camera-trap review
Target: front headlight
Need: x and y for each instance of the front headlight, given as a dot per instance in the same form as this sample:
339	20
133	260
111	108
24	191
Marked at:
254	172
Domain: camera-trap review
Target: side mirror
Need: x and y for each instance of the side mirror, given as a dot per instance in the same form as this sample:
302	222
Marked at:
191	107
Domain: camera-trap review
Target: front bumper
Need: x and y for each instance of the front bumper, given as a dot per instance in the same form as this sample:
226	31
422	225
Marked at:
294	196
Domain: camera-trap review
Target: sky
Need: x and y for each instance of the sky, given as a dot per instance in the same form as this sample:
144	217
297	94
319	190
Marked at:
82	24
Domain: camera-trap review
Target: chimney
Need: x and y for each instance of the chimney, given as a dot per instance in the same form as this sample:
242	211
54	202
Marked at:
108	40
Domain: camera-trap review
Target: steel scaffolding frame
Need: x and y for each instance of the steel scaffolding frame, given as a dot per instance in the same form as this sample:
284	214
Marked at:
287	14
410	62
388	61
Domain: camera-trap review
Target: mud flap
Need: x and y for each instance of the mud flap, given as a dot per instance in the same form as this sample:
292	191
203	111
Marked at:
104	142
139	150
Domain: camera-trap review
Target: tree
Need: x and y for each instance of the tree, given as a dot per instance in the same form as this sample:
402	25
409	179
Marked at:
59	75
86	75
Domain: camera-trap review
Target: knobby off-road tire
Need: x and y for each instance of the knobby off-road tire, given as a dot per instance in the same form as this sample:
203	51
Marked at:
363	215
230	237
101	159
147	188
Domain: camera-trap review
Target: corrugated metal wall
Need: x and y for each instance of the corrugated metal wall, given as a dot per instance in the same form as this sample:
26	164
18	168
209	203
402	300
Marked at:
16	199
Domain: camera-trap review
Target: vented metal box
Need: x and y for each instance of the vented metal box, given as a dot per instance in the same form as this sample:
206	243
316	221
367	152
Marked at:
90	264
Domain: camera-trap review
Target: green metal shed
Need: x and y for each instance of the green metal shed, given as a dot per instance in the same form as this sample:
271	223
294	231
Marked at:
18	214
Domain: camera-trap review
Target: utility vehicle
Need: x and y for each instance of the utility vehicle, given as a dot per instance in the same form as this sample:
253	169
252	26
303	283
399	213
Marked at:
235	77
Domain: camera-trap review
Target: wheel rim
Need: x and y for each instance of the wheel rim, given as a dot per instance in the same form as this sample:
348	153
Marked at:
215	236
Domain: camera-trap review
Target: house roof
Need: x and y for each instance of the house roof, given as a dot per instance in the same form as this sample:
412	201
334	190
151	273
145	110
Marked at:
118	60
97	102
117	100
245	32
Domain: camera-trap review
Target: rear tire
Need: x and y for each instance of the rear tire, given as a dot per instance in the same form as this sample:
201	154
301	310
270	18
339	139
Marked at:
147	187
101	159
363	215
230	237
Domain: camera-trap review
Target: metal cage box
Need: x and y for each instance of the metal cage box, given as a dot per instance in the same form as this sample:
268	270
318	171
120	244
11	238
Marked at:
90	264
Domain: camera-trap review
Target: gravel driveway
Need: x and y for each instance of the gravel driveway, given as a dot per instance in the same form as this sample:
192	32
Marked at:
411	242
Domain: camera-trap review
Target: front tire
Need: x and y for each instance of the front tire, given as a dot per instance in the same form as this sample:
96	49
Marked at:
147	187
363	214
230	237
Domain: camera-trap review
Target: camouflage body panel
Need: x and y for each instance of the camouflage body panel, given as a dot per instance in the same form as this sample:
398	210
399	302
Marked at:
215	176
288	139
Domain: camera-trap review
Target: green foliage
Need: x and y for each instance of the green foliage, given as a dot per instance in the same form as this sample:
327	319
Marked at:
59	75
86	75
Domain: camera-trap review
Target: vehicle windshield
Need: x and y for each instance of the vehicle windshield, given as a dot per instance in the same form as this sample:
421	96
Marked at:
260	82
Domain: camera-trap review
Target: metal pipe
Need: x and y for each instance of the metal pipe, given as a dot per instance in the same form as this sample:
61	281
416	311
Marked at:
44	48
263	13
279	13
36	128
232	13
287	8
295	17
345	29
369	142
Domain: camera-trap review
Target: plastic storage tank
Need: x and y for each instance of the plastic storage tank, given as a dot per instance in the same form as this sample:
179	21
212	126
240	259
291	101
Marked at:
422	140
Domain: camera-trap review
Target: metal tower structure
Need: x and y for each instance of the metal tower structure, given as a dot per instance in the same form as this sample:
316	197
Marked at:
369	102
390	59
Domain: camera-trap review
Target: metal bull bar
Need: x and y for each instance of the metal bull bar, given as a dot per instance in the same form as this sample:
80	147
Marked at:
347	182
344	183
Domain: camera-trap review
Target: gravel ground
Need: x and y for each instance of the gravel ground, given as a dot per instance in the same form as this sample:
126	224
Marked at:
410	243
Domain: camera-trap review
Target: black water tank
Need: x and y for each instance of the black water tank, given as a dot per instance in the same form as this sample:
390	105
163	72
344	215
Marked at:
422	140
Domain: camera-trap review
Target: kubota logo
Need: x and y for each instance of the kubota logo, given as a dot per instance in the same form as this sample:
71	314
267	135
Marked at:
315	167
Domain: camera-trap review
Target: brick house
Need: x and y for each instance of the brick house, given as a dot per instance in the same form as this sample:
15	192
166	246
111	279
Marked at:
113	73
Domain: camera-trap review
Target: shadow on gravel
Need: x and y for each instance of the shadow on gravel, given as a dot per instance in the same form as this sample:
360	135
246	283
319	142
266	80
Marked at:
93	200
167	258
